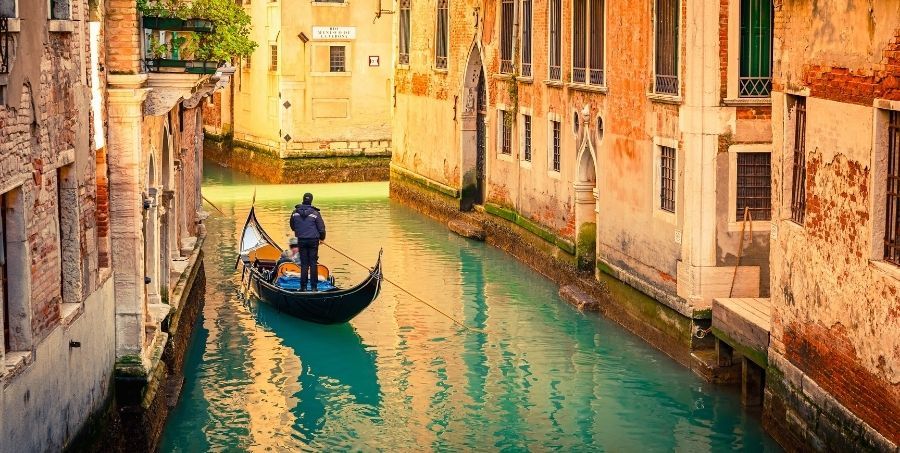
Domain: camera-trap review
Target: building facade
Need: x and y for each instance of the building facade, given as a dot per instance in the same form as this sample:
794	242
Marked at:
318	84
834	358
635	138
57	292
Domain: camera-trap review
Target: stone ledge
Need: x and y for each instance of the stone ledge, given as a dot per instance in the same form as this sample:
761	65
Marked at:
70	312
16	362
532	227
467	229
424	182
578	298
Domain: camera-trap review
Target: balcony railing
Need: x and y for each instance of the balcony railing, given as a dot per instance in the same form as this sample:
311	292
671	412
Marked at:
166	39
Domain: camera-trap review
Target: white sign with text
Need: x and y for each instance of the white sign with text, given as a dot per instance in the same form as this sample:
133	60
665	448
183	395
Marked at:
334	32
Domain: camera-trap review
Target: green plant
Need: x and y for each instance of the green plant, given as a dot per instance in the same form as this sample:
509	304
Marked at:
230	39
156	48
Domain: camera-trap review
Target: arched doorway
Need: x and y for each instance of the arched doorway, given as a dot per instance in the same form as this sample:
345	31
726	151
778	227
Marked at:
474	131
151	234
586	208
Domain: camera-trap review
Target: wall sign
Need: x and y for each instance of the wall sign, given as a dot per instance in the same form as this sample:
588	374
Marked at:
334	32
374	60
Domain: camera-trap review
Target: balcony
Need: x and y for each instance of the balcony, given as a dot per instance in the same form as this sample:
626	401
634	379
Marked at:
177	45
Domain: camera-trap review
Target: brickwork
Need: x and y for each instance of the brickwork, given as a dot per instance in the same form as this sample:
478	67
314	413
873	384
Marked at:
122	37
835	302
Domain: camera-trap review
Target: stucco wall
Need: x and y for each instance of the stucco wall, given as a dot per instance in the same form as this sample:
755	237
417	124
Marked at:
835	303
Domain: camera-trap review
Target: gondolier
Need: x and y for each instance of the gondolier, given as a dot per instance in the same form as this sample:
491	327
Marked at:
309	228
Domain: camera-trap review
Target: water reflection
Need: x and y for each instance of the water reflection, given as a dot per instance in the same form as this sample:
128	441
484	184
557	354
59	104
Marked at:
533	374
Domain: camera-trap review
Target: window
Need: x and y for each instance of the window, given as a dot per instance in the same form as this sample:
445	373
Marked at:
526	38
15	273
507	11
754	185
505	129
60	10
555	39
247	63
892	208
554	145
337	58
798	180
273	62
587	42
756	48
667	178
403	57
8	8
526	142
666	57
441	33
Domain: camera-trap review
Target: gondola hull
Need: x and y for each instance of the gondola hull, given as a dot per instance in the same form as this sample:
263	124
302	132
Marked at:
325	307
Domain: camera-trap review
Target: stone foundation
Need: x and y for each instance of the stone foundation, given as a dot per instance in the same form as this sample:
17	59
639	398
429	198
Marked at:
802	416
313	167
659	325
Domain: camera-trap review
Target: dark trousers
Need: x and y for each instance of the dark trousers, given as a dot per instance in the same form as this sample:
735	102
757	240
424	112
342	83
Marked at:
309	260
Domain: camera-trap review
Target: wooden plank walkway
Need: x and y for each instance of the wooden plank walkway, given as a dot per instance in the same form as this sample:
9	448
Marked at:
744	323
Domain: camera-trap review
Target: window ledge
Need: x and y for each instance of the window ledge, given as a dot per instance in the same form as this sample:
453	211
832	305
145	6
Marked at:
665	98
505	157
404	67
662	214
524	79
886	269
747	102
554	174
331	4
15	363
62	26
15	25
70	312
439	70
586	87
330	74
554	83
757	226
503	76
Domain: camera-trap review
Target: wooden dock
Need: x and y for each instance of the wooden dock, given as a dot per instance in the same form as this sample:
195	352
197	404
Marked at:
744	324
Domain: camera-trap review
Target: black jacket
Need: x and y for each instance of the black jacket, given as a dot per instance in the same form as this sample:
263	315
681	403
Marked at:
307	223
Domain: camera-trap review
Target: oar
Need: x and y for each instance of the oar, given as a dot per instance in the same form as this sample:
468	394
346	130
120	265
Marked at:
211	204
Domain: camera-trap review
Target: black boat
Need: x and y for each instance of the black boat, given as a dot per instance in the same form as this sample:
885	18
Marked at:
259	254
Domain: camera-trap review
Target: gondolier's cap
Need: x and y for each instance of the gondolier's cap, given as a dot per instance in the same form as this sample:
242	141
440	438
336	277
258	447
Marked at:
293	242
307	198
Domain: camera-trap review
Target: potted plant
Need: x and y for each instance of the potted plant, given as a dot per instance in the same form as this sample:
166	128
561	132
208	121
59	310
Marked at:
201	50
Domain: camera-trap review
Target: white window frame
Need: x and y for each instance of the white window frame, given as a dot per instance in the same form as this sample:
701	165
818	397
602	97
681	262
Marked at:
878	175
551	117
523	111
658	211
734	224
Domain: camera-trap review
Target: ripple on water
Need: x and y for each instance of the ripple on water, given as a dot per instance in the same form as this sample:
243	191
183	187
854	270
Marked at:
533	374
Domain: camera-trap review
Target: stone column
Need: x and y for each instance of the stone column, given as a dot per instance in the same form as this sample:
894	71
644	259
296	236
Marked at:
125	96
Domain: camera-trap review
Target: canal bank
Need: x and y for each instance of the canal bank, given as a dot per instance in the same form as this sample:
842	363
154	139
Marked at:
314	166
532	372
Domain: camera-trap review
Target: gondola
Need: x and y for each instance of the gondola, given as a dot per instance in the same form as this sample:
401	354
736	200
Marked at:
258	255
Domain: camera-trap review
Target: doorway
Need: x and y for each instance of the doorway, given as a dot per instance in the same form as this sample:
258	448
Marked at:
474	134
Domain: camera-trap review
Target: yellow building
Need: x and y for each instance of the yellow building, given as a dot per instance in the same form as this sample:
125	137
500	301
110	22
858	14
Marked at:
320	80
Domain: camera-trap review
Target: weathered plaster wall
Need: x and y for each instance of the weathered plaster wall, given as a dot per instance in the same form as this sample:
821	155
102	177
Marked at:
835	305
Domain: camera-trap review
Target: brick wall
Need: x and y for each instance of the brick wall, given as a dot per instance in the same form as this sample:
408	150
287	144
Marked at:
122	37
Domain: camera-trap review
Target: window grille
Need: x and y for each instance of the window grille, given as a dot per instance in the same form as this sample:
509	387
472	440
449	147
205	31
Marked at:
3	275
4	45
754	185
892	221
507	11
505	132
403	58
596	43
579	47
667	178
526	38
555	145
798	183
60	9
273	61
755	80
666	77
526	126
247	62
441	33
337	58
555	40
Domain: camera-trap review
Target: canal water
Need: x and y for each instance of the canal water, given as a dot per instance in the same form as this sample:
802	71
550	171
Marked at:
533	373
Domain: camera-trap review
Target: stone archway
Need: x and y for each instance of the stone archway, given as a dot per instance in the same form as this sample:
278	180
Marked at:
473	134
151	234
586	212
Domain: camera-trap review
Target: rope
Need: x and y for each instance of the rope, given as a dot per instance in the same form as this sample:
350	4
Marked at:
456	321
747	217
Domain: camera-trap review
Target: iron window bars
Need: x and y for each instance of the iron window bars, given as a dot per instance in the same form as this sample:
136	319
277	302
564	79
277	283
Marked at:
587	43
526	38
666	75
5	40
667	178
555	145
441	31
526	145
273	58
505	132
507	11
892	210
555	40
798	183
403	57
337	58
755	80
754	185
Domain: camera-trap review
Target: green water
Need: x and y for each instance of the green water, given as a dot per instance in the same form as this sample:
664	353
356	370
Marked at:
537	374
